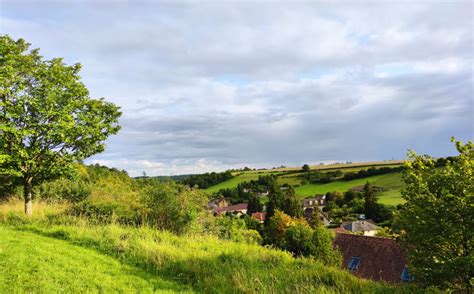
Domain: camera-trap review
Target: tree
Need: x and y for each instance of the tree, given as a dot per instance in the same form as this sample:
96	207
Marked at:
48	122
306	168
323	248
437	220
254	205
371	207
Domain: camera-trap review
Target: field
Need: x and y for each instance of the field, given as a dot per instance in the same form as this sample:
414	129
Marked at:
391	182
341	166
29	262
242	177
57	253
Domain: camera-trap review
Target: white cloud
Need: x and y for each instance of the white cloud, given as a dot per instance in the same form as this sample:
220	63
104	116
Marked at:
220	85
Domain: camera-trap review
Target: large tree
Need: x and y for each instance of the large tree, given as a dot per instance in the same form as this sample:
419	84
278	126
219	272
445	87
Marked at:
437	220
48	122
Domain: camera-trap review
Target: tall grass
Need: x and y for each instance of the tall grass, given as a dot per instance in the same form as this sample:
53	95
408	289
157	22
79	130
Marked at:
42	210
202	263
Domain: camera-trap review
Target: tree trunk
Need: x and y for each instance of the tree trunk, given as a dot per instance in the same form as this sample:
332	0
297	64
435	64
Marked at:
27	189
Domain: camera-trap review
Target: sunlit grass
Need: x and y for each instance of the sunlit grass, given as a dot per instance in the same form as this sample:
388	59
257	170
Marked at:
200	263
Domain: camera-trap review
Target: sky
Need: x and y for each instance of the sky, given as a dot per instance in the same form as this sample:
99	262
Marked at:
212	85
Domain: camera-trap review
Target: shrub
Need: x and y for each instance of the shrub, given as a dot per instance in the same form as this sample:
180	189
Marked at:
171	206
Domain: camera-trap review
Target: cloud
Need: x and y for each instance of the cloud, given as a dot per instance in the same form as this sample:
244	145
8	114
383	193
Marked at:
222	85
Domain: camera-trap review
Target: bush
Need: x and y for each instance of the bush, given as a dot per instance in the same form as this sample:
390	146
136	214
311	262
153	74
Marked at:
106	212
173	207
298	239
73	191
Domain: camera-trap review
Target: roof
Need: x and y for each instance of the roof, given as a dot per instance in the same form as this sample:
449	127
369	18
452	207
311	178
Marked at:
231	208
260	216
359	226
381	259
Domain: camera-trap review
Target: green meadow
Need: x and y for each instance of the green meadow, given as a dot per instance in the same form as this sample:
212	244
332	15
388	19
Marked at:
391	183
30	262
58	253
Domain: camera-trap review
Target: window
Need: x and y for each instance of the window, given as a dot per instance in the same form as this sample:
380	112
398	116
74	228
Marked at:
354	263
405	277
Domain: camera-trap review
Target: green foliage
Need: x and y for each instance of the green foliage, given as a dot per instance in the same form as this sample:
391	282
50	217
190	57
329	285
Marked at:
47	119
437	220
73	191
171	206
298	239
322	247
296	236
107	212
207	180
235	229
149	258
284	201
306	168
254	205
372	171
371	207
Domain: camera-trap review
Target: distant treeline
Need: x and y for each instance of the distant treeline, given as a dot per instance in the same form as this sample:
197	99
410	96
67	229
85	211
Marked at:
363	173
207	180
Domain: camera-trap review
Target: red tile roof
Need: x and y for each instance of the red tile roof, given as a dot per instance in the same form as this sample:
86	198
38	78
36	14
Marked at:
382	259
260	216
232	208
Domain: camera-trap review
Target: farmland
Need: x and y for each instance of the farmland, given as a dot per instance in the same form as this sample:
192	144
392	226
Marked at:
390	183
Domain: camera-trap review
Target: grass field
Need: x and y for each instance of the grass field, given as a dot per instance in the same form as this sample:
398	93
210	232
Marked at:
30	263
40	257
391	182
290	175
342	165
232	183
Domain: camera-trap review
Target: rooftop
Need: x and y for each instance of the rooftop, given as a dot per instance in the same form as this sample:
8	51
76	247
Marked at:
375	258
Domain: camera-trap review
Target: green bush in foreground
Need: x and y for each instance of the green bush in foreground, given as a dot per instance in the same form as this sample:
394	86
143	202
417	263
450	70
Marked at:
437	220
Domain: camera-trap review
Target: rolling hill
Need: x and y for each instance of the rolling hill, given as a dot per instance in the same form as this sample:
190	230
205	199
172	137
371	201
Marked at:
391	183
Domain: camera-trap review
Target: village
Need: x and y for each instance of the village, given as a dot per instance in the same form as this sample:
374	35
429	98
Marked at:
364	254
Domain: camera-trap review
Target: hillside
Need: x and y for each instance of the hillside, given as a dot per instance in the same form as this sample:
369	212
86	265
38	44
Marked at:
73	258
30	263
391	182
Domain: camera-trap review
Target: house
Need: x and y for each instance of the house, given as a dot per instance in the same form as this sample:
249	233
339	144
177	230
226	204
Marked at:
318	201
237	209
363	227
374	258
260	216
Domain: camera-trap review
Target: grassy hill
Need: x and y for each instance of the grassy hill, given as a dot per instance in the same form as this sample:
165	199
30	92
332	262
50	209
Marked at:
31	263
240	178
391	183
39	256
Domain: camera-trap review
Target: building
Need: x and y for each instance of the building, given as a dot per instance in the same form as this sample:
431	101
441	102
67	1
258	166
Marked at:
237	209
318	201
259	216
363	227
374	258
